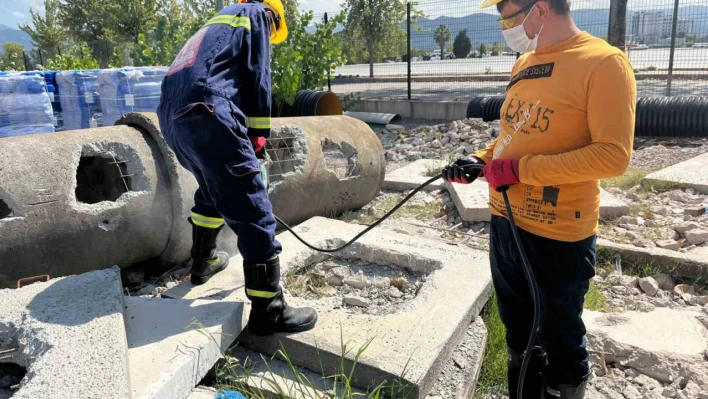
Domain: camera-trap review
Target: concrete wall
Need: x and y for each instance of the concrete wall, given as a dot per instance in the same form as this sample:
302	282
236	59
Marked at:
86	200
415	109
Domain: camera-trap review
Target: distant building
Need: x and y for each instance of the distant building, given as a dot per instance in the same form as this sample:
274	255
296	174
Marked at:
648	26
684	27
651	27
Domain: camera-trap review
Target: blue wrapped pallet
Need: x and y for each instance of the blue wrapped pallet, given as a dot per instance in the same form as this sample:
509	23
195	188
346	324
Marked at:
24	105
50	78
128	90
80	101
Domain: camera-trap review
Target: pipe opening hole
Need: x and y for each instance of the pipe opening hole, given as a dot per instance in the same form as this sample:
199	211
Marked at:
11	375
101	178
5	210
341	159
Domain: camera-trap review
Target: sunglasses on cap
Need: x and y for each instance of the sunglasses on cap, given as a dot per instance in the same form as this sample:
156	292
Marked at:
510	21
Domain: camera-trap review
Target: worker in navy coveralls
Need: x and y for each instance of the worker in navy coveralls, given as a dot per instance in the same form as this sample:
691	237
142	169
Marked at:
215	115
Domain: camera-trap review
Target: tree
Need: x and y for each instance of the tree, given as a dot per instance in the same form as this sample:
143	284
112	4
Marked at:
482	49
462	45
101	24
375	21
441	37
74	57
498	48
47	34
13	56
303	61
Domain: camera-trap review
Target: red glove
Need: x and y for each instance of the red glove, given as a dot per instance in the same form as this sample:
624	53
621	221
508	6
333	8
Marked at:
502	172
258	144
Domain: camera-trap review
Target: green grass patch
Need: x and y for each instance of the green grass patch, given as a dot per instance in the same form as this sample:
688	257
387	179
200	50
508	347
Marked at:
595	300
632	177
492	378
420	212
659	186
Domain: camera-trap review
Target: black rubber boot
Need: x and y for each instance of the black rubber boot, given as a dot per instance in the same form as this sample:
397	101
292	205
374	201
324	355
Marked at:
269	311
206	260
533	380
566	391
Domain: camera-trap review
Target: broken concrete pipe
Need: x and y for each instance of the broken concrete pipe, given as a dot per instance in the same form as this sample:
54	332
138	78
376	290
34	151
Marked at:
84	200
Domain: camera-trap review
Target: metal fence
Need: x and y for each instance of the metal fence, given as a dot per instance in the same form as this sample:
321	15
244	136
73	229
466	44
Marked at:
457	52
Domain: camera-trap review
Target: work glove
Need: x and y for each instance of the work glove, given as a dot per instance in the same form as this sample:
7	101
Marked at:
502	173
258	146
461	172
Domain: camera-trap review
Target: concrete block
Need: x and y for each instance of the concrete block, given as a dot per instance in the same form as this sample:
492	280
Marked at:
690	264
71	336
413	175
452	110
673	331
459	377
174	343
665	344
691	173
421	336
203	393
472	201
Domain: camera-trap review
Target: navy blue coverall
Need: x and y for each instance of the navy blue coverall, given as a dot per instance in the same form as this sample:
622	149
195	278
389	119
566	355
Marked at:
215	98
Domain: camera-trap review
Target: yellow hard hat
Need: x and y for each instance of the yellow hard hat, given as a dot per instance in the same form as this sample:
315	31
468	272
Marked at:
280	33
488	3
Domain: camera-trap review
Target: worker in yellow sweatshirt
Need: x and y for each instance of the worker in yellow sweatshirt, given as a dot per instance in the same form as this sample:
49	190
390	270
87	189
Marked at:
566	123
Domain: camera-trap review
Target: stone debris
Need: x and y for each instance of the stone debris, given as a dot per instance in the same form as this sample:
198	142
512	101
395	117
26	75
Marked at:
359	286
457	138
646	294
649	285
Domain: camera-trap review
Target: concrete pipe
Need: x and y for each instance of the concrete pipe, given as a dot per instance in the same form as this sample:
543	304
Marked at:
84	200
81	200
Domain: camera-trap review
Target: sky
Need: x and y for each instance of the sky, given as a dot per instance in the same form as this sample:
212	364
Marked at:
14	12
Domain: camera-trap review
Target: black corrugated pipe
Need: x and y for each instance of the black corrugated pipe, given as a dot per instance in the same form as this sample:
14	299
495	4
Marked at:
311	103
656	116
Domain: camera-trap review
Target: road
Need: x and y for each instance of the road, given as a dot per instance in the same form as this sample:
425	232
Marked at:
464	91
684	58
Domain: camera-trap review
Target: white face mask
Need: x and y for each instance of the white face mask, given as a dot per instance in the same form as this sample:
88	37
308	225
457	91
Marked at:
518	41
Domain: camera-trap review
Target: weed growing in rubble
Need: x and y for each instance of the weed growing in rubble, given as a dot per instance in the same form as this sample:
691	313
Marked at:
492	378
257	379
631	178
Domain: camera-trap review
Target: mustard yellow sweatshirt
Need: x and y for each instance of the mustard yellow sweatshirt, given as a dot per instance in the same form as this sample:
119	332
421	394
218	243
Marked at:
569	117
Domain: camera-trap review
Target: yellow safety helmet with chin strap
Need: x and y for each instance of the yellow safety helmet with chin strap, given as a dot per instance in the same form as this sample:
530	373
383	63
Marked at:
279	30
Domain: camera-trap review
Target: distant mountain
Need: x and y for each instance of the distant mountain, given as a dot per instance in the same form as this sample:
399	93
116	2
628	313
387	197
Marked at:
8	34
483	28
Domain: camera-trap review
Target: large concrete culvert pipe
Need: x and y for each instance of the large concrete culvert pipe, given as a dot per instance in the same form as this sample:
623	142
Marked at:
84	200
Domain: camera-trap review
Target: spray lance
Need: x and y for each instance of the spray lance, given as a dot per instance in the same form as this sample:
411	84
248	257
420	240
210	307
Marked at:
533	285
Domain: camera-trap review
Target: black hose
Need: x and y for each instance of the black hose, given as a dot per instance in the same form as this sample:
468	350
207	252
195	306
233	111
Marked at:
655	116
533	285
384	217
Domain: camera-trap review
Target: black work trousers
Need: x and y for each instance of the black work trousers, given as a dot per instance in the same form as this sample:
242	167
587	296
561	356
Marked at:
563	271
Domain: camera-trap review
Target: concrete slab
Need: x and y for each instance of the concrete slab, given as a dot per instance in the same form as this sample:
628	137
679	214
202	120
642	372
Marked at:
203	393
662	330
665	344
459	377
174	343
689	264
472	201
691	173
418	340
71	336
413	175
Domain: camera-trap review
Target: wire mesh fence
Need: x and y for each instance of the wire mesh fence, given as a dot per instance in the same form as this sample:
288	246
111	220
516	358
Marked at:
457	51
